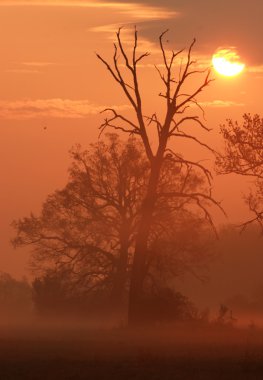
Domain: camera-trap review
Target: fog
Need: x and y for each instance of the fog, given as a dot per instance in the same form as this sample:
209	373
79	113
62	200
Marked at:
71	343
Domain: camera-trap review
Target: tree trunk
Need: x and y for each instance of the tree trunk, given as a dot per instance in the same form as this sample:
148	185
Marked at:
120	280
139	270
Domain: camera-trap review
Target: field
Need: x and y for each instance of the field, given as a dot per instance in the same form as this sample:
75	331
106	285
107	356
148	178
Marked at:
176	352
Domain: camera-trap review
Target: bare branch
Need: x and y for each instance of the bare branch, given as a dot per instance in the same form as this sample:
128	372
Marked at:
123	51
185	135
188	118
162	48
179	159
154	119
118	116
206	82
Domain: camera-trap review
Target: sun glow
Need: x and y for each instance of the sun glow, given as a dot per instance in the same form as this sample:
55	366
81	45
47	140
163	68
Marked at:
227	62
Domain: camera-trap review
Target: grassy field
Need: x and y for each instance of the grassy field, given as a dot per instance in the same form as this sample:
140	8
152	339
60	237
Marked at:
176	352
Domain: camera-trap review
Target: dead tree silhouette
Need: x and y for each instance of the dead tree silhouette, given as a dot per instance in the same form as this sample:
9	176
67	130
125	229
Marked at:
177	104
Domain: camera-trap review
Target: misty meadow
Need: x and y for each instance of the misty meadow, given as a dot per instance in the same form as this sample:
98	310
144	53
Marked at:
132	190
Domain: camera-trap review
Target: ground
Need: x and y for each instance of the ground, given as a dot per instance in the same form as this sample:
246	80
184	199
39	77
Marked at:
175	352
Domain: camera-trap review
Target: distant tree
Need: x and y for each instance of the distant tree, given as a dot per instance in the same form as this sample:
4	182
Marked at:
53	296
243	155
15	296
50	294
178	100
85	236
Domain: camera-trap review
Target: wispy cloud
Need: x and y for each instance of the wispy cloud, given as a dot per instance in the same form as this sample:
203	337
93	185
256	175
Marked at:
53	108
38	64
125	14
133	13
58	3
221	104
255	69
71	109
35	67
140	11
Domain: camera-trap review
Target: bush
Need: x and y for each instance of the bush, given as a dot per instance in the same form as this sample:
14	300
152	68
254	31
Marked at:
166	305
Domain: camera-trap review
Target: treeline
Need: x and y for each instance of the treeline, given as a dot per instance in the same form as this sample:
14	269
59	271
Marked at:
49	297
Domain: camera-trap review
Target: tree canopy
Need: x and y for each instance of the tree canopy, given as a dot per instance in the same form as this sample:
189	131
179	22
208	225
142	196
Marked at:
86	231
243	155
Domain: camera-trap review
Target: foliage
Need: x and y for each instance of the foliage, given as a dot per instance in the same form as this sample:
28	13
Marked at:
81	226
86	229
166	305
53	296
243	147
243	155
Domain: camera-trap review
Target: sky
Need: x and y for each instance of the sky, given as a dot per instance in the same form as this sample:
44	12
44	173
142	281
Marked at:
53	87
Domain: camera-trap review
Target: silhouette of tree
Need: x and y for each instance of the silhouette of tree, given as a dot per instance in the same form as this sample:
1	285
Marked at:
85	235
15	296
53	296
49	294
87	228
243	155
178	101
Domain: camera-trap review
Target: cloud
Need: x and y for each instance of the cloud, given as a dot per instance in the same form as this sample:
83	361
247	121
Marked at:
221	104
134	13
38	64
60	3
129	12
223	23
71	109
255	69
29	67
131	9
214	24
51	108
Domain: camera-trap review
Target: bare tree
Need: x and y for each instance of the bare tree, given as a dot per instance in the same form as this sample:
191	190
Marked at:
172	126
243	155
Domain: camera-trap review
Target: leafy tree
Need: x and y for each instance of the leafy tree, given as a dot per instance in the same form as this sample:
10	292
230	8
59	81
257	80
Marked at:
243	155
87	228
85	236
174	125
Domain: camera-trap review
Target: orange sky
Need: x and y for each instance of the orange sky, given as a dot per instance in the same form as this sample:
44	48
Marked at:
50	76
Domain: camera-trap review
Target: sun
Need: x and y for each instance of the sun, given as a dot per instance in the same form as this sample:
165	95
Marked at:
226	62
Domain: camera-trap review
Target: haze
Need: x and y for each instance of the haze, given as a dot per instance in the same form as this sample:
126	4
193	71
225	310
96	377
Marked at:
54	88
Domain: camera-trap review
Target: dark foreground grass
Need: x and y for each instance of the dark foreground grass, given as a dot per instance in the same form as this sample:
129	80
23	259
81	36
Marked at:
178	352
